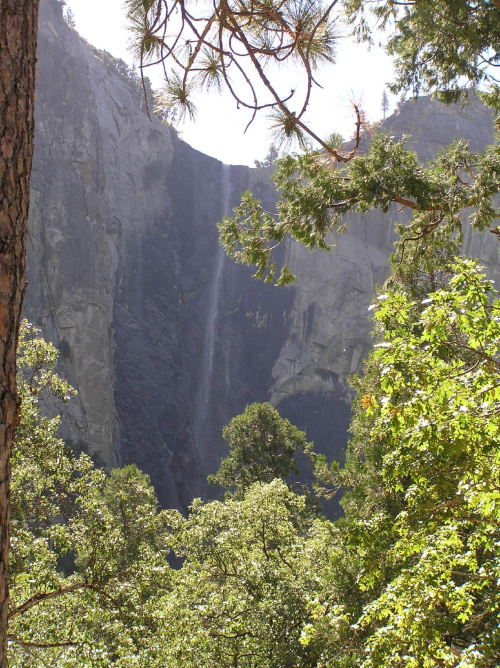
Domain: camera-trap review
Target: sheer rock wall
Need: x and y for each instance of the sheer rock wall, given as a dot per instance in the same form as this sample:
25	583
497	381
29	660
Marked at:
164	338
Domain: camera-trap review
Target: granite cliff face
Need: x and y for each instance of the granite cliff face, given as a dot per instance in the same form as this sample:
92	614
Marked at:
330	330
164	338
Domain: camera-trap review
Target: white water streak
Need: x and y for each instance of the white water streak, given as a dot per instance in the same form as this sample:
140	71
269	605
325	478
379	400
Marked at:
201	416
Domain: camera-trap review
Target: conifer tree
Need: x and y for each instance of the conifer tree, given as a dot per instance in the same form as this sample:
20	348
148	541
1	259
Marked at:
262	446
385	104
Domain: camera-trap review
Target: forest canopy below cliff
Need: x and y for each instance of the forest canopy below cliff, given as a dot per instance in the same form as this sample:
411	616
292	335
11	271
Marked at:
407	577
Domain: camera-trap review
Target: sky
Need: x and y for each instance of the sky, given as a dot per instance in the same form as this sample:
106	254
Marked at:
359	74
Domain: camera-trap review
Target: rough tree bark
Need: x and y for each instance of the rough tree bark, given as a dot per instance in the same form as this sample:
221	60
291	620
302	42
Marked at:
18	34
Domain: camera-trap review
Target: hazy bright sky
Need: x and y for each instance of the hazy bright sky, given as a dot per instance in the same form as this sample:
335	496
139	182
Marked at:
358	74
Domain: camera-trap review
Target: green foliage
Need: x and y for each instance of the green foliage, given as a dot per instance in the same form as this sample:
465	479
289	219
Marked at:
87	550
440	46
437	44
175	100
233	46
269	160
384	104
423	471
244	592
335	141
408	578
317	193
261	448
438	410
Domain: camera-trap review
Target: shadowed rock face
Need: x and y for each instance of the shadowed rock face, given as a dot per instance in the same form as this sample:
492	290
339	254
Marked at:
164	338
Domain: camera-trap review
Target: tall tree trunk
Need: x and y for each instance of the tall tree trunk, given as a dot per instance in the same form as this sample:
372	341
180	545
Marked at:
18	33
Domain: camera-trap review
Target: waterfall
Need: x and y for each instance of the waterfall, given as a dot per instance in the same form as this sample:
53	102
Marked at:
201	418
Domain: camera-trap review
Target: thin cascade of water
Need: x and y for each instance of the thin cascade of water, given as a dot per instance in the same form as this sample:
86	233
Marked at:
201	416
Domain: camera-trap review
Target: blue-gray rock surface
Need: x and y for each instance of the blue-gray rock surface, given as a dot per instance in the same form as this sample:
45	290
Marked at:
163	337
